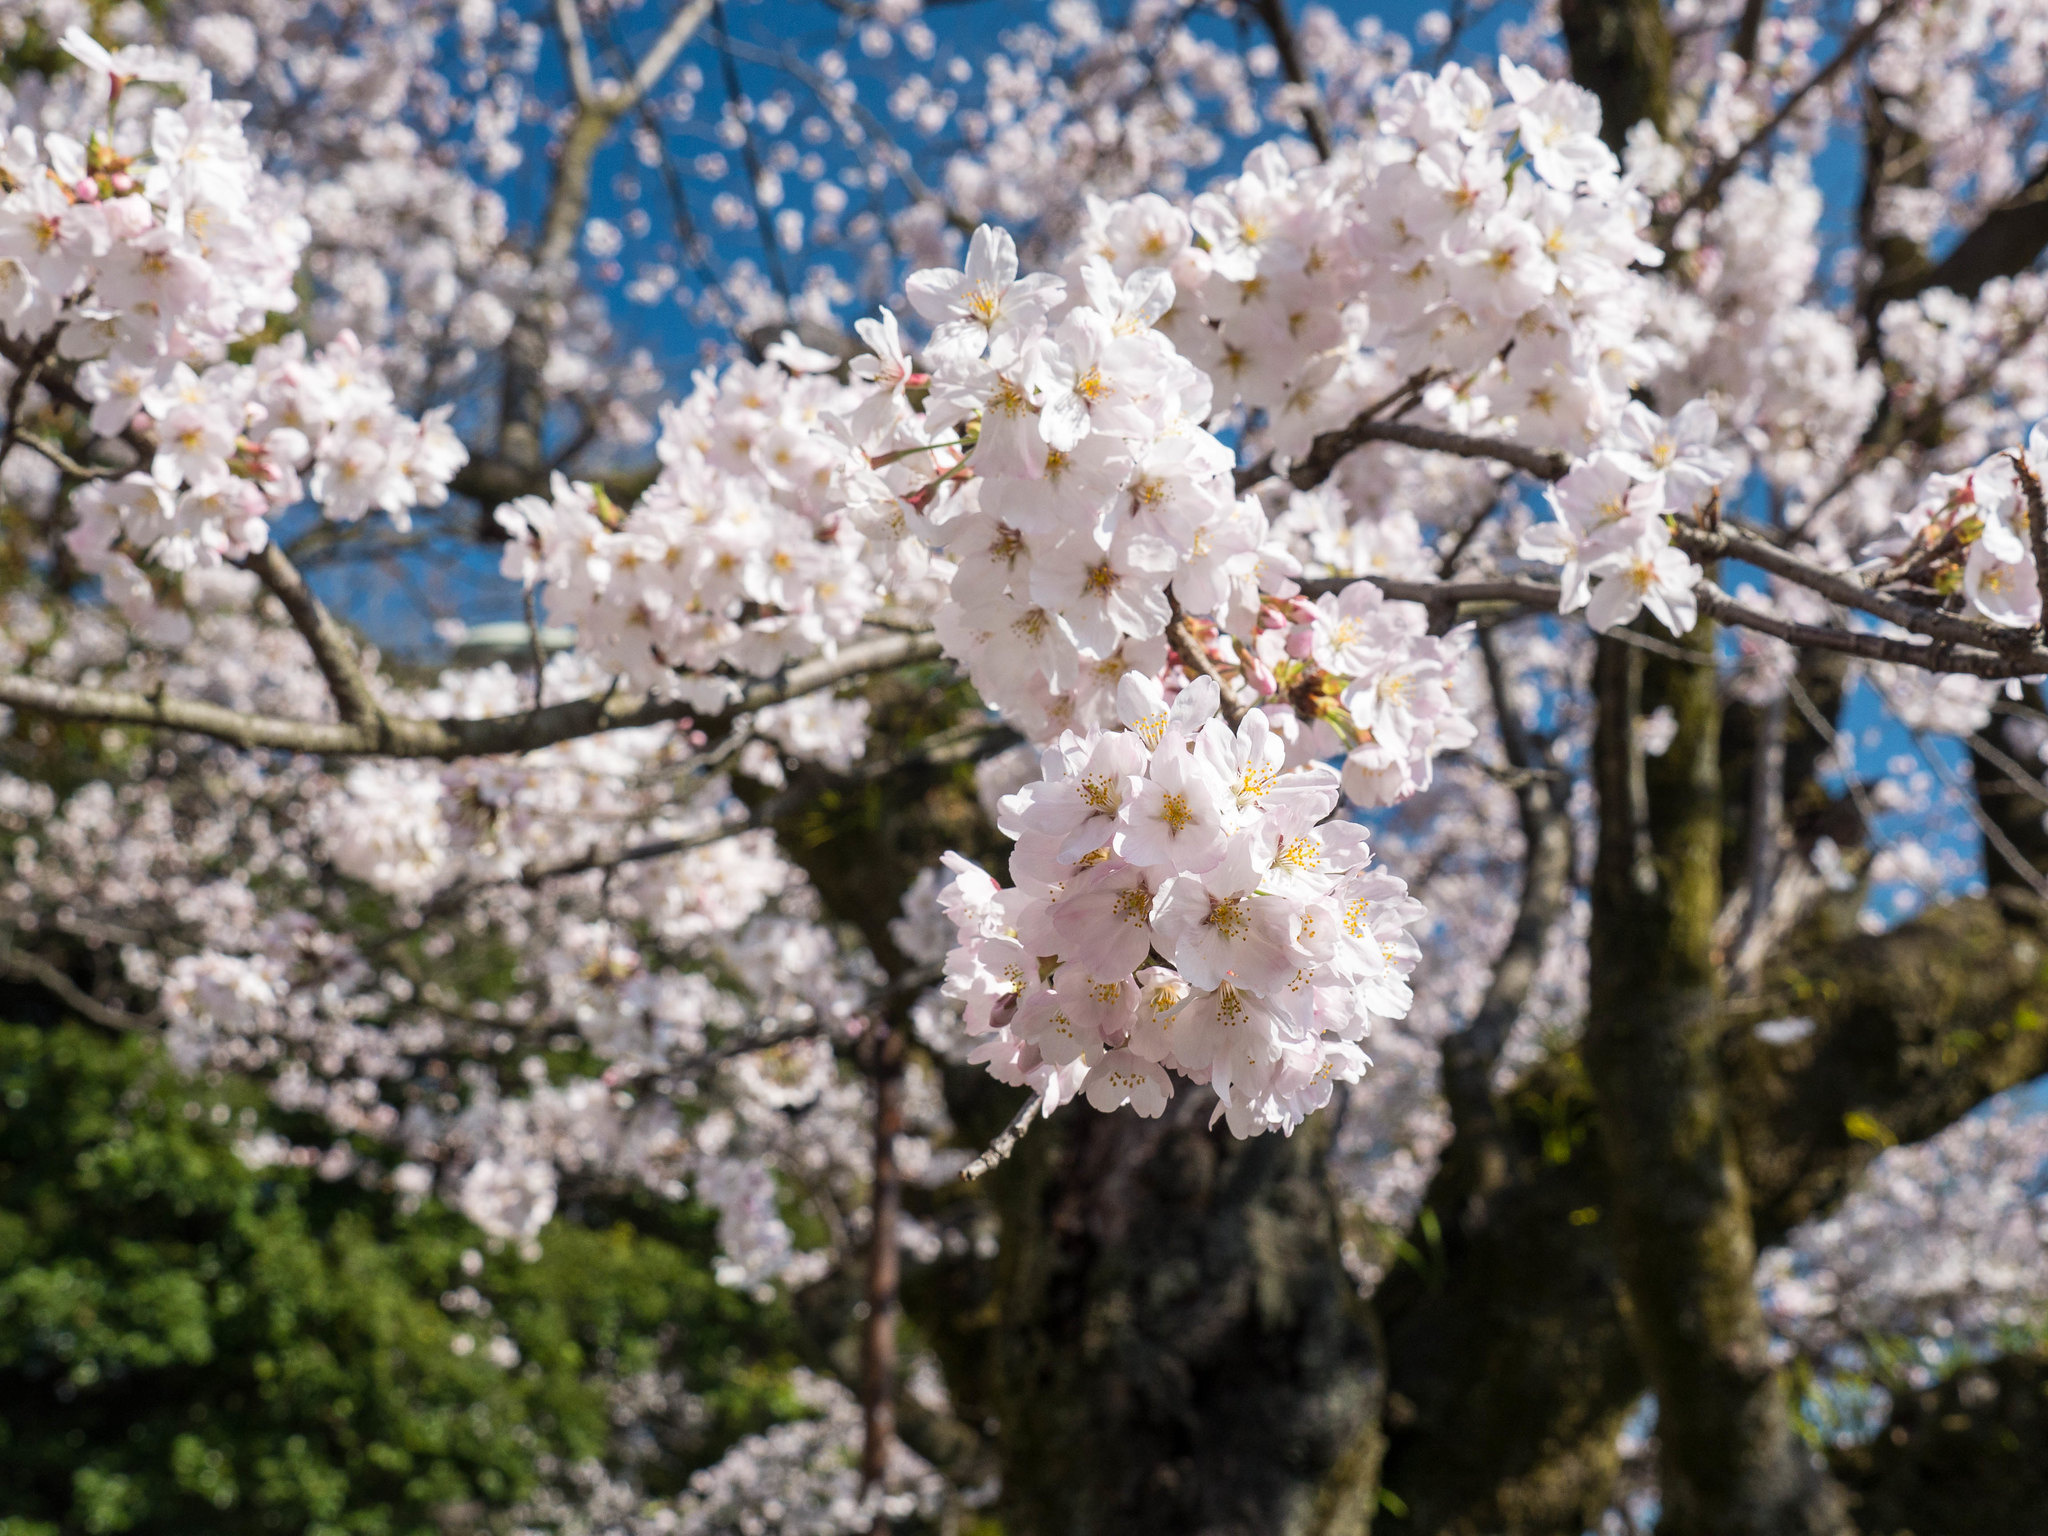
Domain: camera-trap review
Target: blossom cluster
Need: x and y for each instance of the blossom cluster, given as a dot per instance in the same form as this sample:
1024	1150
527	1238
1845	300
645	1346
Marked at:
1182	905
1609	531
736	556
1056	453
238	444
1974	530
136	257
155	240
1084	503
1483	245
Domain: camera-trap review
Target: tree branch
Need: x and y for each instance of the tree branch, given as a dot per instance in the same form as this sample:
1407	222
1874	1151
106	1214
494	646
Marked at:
2006	240
446	739
1006	1141
1732	543
39	972
576	50
332	651
674	37
1717	175
523	402
1936	657
1315	121
1324	454
1195	657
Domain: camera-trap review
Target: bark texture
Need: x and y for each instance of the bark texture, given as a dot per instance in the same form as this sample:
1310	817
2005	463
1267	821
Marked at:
1181	1351
1621	52
1911	1030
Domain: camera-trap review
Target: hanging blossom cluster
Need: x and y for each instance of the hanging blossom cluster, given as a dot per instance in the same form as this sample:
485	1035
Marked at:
1070	482
1082	504
737	556
1183	905
1609	530
137	256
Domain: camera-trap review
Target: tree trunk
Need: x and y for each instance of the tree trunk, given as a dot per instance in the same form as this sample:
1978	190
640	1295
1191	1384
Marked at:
1730	1461
1621	52
1182	1351
1508	1369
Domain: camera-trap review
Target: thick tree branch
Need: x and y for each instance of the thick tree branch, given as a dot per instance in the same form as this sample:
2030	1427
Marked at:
333	652
1728	1456
493	480
23	966
403	736
2007	240
1621	51
1509	1365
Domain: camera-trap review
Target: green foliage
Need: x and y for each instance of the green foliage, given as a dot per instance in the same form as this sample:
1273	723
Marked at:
188	1344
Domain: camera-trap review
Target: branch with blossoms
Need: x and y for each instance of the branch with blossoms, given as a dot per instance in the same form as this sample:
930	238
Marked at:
1041	497
1978	647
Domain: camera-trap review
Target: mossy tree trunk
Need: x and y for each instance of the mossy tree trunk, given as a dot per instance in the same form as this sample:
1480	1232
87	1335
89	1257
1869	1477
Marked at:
1730	1461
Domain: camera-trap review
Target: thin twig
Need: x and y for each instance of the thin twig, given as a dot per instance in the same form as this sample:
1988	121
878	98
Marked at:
1718	174
2027	784
2037	529
65	462
1196	658
1994	834
1803	702
1315	118
1005	1142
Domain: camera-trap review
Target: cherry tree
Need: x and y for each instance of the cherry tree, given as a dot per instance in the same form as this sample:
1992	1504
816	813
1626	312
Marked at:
1214	683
